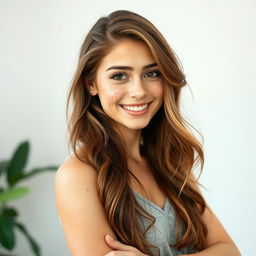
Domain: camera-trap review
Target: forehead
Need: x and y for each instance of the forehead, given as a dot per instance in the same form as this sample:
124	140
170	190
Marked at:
128	52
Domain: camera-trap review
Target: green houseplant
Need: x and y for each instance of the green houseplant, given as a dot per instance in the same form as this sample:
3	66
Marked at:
13	171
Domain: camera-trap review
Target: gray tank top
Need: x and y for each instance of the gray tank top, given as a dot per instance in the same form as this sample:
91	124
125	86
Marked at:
162	233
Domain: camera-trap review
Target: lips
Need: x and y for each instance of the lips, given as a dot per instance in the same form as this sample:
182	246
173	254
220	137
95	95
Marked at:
136	105
136	109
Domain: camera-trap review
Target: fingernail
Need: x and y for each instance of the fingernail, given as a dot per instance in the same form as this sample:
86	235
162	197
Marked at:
110	238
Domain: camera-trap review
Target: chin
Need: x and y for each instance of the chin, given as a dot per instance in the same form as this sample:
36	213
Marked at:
136	126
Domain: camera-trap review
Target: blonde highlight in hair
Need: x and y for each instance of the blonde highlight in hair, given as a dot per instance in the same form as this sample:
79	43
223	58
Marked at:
172	153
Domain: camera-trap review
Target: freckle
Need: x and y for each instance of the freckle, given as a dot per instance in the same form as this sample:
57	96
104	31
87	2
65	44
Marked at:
87	189
114	94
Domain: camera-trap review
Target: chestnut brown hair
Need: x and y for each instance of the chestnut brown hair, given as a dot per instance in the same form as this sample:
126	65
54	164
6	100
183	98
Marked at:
172	152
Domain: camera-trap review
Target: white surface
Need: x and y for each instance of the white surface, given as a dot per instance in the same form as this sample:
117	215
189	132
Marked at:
215	41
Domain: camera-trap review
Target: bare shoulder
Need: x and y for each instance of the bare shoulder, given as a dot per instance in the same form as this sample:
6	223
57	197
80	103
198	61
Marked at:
74	169
80	210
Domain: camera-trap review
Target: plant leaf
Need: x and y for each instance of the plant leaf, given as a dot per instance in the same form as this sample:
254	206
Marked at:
11	212
17	163
3	165
39	170
13	193
34	246
7	236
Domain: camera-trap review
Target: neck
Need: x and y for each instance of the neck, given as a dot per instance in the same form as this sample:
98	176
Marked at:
132	144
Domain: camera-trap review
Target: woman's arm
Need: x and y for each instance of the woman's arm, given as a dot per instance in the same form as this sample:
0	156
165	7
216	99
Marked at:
81	213
220	249
218	241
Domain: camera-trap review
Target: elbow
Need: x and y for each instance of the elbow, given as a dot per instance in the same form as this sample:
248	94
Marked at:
232	249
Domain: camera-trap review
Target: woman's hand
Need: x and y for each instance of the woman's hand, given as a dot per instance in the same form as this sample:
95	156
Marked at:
121	249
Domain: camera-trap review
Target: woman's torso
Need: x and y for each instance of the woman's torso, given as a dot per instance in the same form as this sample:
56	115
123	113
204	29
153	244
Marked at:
163	233
144	175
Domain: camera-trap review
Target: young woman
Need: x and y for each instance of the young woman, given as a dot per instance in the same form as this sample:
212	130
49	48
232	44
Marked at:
131	174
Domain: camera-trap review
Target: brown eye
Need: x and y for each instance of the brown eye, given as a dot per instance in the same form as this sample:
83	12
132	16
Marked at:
118	76
153	74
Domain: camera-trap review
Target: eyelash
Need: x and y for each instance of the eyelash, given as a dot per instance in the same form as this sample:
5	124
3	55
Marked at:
120	73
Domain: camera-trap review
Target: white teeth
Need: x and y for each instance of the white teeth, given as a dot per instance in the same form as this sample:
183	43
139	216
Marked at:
135	108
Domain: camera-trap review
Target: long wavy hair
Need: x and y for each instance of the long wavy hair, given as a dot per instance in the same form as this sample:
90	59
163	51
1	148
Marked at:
172	152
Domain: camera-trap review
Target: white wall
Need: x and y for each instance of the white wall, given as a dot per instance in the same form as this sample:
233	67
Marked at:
215	40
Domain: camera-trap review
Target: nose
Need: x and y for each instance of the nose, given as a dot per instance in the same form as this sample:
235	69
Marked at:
137	89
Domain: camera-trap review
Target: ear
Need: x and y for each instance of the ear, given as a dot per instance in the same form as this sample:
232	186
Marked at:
91	87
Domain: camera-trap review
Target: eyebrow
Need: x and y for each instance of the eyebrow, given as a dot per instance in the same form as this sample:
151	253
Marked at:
130	68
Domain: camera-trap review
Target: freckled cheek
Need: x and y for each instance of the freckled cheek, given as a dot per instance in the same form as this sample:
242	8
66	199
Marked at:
113	95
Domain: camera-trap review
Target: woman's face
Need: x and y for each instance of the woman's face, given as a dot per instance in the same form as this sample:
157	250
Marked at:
129	84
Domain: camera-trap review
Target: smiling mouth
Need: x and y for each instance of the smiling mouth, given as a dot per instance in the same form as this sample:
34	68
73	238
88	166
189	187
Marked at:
135	108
